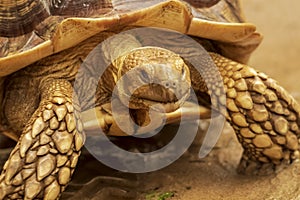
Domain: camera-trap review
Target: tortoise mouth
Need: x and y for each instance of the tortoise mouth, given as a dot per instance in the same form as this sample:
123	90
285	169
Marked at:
165	105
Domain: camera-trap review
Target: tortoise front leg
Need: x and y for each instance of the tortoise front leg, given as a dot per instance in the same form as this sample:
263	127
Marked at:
41	164
264	116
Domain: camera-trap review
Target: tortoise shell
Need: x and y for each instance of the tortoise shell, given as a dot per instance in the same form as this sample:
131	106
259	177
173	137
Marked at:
33	29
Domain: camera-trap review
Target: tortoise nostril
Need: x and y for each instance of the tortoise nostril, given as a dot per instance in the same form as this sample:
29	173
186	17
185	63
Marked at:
170	84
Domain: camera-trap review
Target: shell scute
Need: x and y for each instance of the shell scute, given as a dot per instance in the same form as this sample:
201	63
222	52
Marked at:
65	23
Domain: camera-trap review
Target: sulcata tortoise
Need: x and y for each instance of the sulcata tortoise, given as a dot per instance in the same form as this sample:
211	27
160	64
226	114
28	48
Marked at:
44	44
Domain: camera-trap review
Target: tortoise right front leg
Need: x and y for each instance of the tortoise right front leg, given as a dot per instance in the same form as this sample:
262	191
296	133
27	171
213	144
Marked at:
264	116
42	162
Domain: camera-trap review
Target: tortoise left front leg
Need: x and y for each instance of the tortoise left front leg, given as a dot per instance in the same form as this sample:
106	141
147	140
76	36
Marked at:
264	116
42	162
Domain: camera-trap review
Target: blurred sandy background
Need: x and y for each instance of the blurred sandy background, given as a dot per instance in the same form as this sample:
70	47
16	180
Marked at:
279	53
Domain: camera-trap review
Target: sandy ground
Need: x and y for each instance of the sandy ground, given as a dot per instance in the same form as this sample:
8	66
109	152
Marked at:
214	177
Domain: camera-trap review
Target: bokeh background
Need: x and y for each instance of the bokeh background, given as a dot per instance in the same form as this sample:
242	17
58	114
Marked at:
279	53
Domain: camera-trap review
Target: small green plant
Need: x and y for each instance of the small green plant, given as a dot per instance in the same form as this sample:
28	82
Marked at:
165	196
162	196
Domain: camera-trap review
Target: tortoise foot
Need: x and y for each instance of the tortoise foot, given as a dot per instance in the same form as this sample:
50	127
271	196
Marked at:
252	167
42	162
263	165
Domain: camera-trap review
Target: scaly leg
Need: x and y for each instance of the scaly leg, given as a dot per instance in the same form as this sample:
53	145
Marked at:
264	116
42	162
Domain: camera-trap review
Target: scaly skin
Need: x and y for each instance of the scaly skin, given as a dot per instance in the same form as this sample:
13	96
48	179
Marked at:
263	115
42	162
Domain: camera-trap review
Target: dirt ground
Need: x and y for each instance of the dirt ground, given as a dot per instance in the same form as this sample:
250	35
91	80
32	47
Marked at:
215	176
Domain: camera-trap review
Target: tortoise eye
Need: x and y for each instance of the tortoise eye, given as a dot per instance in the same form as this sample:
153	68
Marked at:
183	71
144	75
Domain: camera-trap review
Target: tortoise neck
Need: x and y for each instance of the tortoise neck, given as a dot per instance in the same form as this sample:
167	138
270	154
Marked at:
119	45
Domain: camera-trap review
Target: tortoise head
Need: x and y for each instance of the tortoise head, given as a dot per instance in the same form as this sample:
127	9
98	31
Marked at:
152	77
